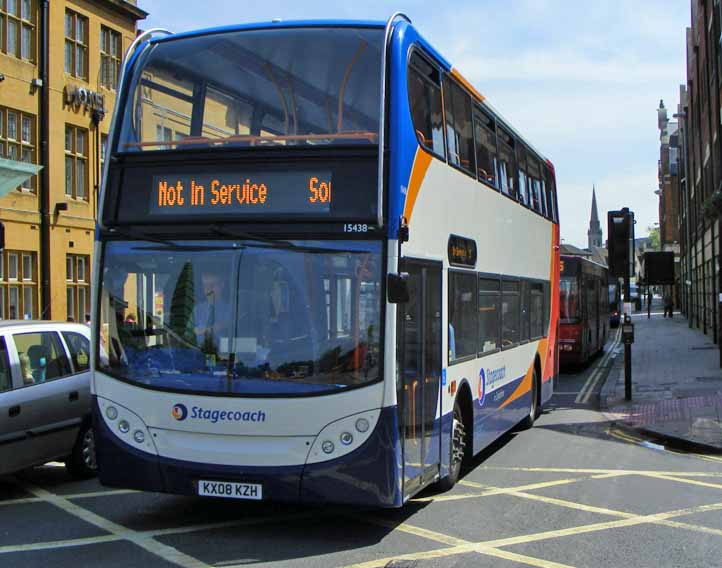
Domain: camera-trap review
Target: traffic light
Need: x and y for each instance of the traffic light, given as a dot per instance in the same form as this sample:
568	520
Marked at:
620	244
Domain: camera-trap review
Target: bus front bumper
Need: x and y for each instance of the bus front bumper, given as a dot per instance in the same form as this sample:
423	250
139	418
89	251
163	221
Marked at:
369	476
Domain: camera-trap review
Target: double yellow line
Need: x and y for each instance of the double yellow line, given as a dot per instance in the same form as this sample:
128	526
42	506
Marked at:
588	389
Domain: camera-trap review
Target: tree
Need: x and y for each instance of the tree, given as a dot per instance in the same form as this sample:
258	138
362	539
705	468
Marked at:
653	237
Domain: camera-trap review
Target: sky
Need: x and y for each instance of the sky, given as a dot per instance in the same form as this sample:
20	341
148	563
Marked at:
581	80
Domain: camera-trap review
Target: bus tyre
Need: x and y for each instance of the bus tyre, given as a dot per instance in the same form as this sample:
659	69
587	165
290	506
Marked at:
528	421
457	449
81	463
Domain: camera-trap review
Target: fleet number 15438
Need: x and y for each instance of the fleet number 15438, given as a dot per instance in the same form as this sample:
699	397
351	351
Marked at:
355	228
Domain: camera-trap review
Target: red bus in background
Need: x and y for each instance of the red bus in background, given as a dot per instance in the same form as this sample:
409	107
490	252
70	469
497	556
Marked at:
583	309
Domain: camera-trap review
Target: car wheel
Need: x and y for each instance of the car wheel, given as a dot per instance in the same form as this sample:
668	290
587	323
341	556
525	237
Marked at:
458	450
81	463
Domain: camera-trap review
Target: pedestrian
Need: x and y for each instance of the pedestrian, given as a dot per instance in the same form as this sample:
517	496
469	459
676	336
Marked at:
649	303
668	305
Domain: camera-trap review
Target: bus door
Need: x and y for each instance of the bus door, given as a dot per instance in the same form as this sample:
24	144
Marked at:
419	356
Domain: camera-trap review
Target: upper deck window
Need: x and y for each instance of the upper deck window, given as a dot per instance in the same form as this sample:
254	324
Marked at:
425	104
298	86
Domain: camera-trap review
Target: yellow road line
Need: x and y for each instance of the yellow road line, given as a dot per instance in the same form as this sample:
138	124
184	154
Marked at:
228	524
412	529
20	501
595	527
611	512
110	493
146	542
603	471
681	480
58	544
488	492
588	389
491	547
456	543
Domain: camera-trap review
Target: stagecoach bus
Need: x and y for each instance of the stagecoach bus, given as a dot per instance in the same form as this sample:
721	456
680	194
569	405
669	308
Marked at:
584	309
326	268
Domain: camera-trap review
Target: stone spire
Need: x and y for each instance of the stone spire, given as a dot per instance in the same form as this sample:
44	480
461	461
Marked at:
594	235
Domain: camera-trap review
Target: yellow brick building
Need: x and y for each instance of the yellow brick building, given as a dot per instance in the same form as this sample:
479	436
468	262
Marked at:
55	111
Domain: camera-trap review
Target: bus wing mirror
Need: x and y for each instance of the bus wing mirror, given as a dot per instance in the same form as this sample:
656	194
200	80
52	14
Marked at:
398	288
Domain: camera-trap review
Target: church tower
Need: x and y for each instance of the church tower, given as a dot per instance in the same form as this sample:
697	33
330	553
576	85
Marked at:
594	235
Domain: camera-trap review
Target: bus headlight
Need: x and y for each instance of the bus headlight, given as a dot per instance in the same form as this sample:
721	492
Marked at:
138	436
111	413
123	426
343	436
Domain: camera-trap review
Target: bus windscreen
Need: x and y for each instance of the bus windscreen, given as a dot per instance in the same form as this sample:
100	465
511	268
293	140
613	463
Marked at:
242	317
270	87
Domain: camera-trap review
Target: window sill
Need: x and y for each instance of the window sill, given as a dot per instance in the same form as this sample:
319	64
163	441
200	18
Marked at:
19	59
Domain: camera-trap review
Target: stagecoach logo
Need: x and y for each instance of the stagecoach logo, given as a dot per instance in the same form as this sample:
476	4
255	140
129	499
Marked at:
179	412
213	415
482	387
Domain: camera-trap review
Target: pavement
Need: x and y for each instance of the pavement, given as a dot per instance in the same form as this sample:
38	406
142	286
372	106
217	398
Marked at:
676	384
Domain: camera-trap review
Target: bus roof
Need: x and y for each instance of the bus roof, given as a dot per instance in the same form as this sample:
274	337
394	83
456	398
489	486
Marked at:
273	25
281	24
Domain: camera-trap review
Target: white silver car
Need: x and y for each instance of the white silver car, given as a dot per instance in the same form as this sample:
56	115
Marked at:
45	396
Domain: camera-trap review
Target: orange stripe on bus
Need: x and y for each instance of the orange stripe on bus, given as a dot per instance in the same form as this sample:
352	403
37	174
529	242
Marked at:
418	172
469	87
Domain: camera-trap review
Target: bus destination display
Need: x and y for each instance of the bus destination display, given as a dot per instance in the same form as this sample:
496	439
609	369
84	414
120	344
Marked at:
243	193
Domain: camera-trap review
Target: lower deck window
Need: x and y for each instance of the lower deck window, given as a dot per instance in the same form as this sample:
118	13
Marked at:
462	315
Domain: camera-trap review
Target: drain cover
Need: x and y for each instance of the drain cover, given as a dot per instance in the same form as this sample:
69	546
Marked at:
402	564
703	347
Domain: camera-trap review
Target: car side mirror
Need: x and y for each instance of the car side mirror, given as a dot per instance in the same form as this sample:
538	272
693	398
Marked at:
398	288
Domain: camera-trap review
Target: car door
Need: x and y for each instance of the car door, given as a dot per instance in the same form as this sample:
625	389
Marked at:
78	348
46	396
13	424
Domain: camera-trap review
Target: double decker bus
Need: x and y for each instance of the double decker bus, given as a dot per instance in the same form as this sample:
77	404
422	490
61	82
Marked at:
317	279
584	309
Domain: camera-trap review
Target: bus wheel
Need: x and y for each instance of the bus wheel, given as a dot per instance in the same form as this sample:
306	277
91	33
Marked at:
458	450
528	421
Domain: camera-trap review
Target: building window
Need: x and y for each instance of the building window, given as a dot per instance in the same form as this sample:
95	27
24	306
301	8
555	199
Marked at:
18	285
77	276
17	28
110	43
17	140
76	161
76	45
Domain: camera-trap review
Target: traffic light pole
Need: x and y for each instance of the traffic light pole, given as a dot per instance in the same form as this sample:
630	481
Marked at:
627	344
620	246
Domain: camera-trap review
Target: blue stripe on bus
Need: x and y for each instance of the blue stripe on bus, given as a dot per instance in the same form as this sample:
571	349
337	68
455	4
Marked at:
402	138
